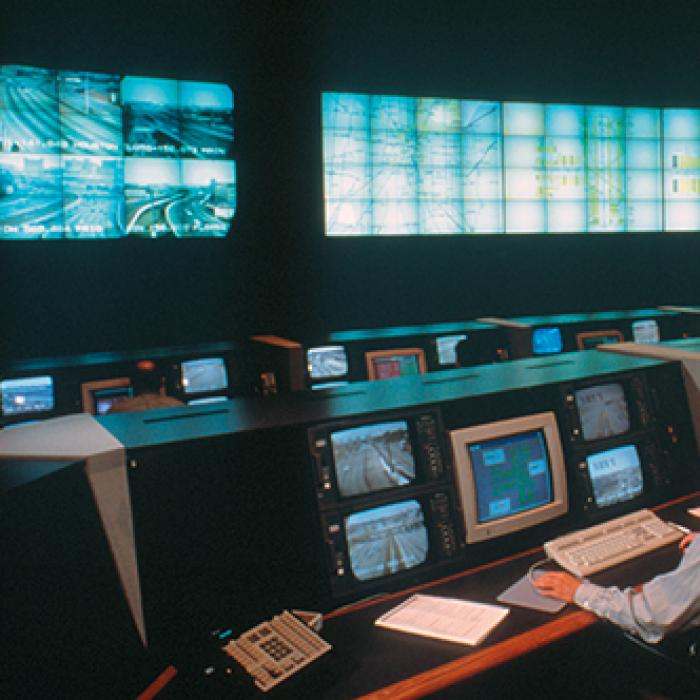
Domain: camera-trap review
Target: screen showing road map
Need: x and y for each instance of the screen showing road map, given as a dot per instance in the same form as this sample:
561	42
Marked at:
93	155
373	457
512	474
398	165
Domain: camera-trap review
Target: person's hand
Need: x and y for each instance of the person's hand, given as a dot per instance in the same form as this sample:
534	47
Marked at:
683	544
557	584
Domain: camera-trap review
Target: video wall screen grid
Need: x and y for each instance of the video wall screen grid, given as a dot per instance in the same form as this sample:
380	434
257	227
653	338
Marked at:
92	155
396	165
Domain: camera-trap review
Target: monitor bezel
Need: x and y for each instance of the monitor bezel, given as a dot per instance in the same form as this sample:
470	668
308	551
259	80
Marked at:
372	355
585	335
466	486
87	390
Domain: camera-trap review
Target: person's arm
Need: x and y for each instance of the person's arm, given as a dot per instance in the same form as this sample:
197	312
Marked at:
663	604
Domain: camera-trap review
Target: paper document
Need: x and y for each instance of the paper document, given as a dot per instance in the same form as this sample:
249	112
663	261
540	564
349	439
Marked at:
451	619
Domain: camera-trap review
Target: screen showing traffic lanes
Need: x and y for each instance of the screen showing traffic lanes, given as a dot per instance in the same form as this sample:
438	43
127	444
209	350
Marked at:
396	165
91	155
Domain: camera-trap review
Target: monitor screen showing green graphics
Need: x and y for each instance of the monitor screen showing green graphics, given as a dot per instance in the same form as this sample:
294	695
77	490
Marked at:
397	165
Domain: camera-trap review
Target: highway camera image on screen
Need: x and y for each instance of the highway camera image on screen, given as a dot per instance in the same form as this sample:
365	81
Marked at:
373	457
447	348
401	165
602	411
616	475
327	362
93	155
646	331
512	474
206	374
385	540
26	395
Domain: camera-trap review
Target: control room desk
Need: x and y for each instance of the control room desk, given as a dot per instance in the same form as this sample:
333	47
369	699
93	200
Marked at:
371	662
380	663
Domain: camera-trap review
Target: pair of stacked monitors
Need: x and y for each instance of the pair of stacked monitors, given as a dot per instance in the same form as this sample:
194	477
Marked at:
93	155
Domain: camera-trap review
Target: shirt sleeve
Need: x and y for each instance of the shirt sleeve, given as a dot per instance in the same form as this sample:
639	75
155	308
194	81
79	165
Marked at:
667	603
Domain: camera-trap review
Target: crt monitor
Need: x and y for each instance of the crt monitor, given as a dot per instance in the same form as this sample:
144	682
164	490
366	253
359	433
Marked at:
386	499
446	347
603	411
615	475
646	331
546	340
587	340
203	375
99	396
326	362
399	362
27	395
510	474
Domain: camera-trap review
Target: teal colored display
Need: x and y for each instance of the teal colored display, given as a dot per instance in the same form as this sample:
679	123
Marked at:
94	155
413	165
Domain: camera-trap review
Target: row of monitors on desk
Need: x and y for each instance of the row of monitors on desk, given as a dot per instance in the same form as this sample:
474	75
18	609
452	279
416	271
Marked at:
330	362
199	380
403	494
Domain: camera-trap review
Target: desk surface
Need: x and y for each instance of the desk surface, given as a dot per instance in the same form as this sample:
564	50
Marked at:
371	662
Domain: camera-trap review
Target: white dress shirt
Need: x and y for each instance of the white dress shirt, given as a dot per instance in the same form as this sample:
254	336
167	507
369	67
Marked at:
670	602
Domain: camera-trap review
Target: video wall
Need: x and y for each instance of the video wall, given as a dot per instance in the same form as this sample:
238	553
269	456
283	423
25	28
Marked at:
398	165
92	155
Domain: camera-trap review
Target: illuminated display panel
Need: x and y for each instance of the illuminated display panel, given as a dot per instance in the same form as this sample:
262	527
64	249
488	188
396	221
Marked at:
27	395
372	458
205	374
603	411
385	540
93	155
616	475
397	165
391	364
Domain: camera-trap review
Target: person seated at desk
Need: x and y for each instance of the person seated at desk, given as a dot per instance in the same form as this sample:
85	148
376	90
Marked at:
668	603
149	391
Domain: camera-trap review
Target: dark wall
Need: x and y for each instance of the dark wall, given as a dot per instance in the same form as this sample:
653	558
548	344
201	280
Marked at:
276	271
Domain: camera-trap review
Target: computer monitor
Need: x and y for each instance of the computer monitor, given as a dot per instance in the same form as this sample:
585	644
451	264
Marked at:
99	396
446	347
587	340
646	331
397	362
326	362
615	475
510	475
386	499
603	411
27	395
546	340
203	375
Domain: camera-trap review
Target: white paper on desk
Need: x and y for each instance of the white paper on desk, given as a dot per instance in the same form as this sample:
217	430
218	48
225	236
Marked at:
450	619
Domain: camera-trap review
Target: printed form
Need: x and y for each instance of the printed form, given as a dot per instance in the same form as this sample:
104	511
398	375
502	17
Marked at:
450	619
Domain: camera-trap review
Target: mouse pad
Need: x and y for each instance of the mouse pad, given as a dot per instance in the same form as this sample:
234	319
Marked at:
524	594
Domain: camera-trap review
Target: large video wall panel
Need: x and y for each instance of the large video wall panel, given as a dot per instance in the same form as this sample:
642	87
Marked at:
410	165
92	155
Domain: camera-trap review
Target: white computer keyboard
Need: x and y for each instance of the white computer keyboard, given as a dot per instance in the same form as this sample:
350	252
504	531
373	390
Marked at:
596	548
276	649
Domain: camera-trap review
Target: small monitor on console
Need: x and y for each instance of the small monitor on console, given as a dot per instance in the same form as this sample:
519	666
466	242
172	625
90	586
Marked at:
27	395
546	340
511	475
99	396
587	340
615	475
446	347
326	363
399	362
203	376
646	331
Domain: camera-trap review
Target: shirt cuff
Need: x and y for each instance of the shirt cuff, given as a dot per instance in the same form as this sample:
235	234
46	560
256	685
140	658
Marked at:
585	593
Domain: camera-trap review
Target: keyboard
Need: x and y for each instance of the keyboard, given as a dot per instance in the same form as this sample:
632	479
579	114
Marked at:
596	548
276	649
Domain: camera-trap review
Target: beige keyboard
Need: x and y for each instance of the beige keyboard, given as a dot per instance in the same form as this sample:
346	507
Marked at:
585	552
